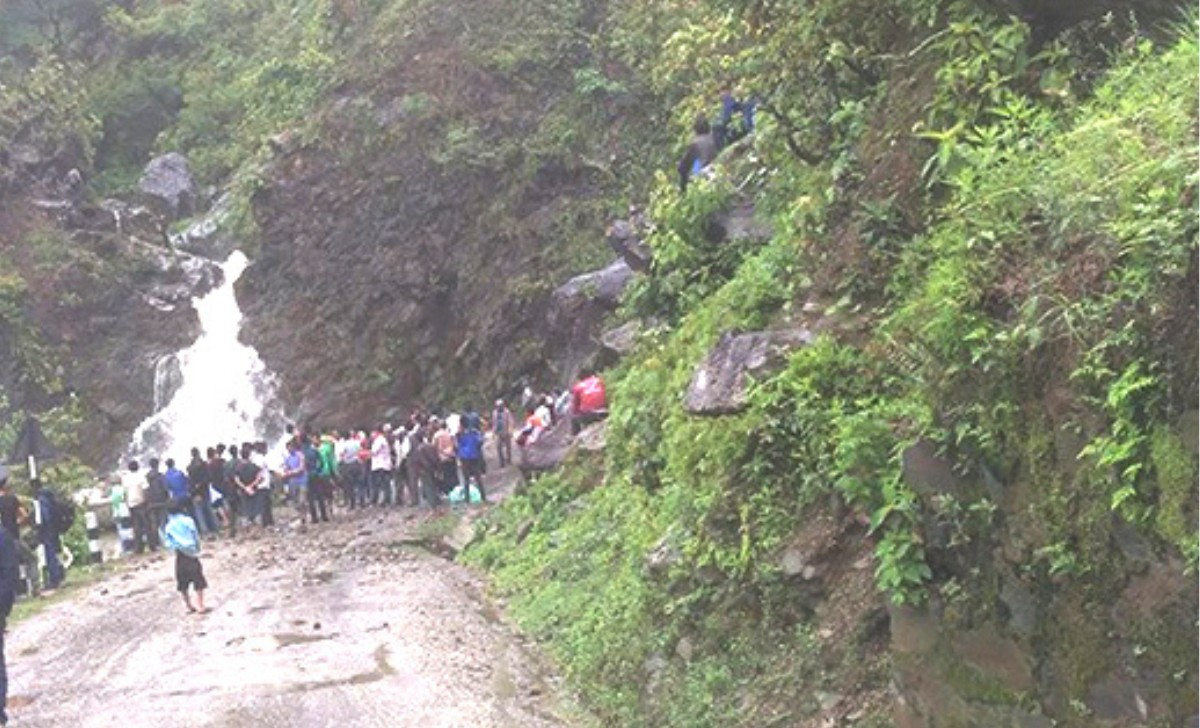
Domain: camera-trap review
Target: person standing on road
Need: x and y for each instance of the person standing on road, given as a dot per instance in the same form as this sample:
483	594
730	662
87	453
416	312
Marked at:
215	468
12	515
178	487
295	477
157	497
134	482
180	536
48	534
315	490
349	470
248	477
502	429
235	496
447	454
10	576
197	474
258	456
469	445
426	469
381	468
327	472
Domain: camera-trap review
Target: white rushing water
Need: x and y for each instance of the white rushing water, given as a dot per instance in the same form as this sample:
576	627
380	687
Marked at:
217	390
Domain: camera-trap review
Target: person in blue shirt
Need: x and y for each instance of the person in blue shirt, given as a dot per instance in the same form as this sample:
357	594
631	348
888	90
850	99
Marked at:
470	457
177	482
180	535
179	488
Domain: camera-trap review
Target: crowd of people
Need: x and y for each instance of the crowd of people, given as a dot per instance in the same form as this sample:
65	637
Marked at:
427	462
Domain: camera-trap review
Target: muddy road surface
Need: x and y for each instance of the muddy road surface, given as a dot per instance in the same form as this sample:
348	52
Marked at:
340	624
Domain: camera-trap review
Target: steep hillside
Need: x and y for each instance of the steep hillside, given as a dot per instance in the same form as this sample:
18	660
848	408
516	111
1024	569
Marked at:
410	242
989	244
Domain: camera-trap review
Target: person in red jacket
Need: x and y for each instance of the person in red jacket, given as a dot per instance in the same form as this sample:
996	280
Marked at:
588	401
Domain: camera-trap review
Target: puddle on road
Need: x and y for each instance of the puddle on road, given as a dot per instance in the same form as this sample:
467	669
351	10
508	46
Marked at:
20	701
287	639
317	577
277	641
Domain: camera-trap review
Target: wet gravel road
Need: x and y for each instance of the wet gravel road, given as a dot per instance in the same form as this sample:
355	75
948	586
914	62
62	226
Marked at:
337	625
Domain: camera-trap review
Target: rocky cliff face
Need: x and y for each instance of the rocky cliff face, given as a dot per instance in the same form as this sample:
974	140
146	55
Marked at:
93	297
410	252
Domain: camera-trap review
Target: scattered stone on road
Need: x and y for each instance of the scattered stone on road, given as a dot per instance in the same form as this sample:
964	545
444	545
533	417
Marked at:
337	625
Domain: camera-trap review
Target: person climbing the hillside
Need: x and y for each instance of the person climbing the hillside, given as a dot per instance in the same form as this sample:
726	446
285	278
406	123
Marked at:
469	446
726	132
699	154
588	401
180	535
135	484
12	515
502	430
49	532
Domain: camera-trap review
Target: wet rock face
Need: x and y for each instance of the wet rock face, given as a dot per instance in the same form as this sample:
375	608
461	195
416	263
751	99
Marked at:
113	304
719	385
167	182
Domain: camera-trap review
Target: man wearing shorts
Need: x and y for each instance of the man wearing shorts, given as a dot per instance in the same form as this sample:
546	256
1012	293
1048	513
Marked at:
180	536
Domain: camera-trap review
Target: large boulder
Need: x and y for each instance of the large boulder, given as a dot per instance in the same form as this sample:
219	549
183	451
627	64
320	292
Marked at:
739	224
167	182
719	385
603	286
546	453
623	237
578	310
623	339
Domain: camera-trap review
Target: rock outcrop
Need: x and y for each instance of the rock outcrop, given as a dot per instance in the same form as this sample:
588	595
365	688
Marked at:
167	183
719	385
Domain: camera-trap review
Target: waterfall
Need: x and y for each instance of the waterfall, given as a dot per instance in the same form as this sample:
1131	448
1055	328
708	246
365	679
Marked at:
215	391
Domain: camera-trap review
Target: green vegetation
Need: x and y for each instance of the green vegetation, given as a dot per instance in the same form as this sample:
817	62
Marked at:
991	221
1033	277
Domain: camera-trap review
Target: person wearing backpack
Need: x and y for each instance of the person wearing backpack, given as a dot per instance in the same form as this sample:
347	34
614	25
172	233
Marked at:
53	514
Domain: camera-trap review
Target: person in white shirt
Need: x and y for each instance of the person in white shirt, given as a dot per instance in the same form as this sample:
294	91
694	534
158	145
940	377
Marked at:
349	468
144	532
259	458
381	468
